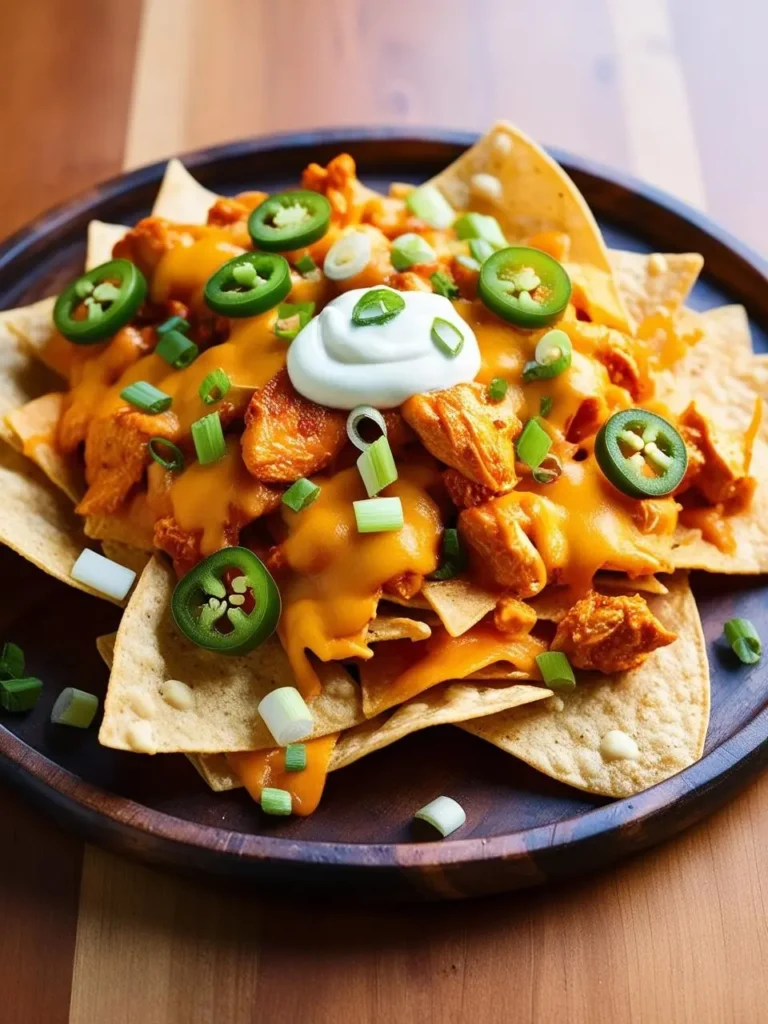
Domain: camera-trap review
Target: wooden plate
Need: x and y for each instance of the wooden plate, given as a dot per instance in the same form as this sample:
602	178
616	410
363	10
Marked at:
522	827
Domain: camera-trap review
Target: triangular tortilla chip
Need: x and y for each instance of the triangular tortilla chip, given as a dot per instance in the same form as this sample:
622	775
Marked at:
102	238
663	706
181	198
21	377
396	627
226	691
37	337
459	603
34	427
649	282
126	554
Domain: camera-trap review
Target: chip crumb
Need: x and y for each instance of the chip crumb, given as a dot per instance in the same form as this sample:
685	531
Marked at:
657	264
487	185
177	694
141	738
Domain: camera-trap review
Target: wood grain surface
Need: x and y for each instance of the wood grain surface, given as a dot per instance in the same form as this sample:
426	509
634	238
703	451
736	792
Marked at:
669	89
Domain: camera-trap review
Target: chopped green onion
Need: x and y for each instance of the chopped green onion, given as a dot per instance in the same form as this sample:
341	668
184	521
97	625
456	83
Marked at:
431	206
447	336
295	757
453	558
301	494
533	444
306	265
497	389
174	323
411	249
292	317
214	387
245	274
348	256
444	814
356	417
286	715
552	357
177	350
480	249
11	662
468	262
208	438
744	640
480	225
174	457
377	467
377	306
20	694
549	470
102	574
443	285
378	515
146	397
556	670
75	707
545	406
276	801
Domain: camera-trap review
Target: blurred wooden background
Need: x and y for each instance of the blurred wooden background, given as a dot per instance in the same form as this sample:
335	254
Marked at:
671	90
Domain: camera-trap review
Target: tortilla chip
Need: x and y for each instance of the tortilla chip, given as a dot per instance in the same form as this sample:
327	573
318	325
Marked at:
389	627
460	604
418	601
120	529
37	337
663	706
37	521
649	282
126	554
553	602
227	690
34	427
215	771
181	198
444	704
21	377
102	238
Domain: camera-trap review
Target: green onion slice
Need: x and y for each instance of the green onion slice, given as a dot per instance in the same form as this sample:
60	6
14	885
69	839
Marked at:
430	205
301	494
377	306
378	515
166	454
306	265
208	439
347	257
146	397
443	285
292	317
214	387
552	357
377	467
177	350
295	757
548	471
444	814
482	226
356	417
20	694
75	707
11	662
497	389
276	801
102	574
533	444
447	337
454	557
480	249
411	249
174	323
286	715
744	640
469	263
545	406
556	670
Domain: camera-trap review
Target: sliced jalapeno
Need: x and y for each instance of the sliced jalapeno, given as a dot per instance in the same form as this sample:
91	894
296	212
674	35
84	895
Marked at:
249	284
99	303
289	220
641	453
229	603
525	286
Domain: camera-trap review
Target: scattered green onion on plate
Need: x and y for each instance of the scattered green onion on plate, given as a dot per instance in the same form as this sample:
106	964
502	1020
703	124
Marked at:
556	670
277	802
75	707
744	640
102	574
20	694
444	814
286	715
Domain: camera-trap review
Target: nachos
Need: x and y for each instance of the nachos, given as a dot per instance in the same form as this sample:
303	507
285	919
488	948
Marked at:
381	462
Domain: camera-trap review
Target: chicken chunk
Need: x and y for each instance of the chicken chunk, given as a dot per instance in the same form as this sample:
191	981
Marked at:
720	458
339	184
147	242
498	535
465	493
286	436
514	616
462	427
610	633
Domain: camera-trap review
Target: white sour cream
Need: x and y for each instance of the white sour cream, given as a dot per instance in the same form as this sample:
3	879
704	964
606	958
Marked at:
335	363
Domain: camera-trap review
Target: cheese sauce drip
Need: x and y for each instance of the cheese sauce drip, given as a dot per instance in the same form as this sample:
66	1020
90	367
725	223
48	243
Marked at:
259	769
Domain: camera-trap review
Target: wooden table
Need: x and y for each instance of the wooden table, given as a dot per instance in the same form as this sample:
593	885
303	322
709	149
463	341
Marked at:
672	90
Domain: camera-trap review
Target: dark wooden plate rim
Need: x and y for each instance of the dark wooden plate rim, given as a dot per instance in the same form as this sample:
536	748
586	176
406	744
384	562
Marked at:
633	822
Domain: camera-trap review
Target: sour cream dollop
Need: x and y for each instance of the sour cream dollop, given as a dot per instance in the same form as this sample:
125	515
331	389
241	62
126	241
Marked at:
335	363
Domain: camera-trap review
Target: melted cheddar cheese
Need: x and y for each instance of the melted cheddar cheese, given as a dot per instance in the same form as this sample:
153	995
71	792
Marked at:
259	769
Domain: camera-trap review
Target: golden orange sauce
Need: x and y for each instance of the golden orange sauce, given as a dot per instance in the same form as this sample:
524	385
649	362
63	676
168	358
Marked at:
337	573
259	769
183	271
444	657
714	528
594	292
664	339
